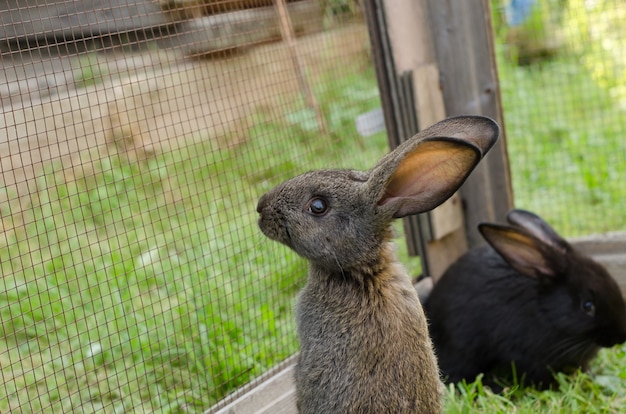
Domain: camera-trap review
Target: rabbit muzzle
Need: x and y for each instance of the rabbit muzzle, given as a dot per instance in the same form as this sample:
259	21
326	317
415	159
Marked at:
265	218
271	220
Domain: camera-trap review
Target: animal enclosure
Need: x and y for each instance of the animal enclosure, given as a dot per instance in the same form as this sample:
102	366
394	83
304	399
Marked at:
136	137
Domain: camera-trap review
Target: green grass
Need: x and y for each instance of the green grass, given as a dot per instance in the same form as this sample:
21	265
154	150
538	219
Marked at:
147	287
566	147
599	391
564	116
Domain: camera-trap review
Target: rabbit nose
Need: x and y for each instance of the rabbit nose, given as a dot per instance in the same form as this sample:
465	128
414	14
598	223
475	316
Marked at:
261	204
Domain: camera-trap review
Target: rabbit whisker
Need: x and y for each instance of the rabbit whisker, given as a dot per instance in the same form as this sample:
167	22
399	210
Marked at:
285	225
570	351
343	274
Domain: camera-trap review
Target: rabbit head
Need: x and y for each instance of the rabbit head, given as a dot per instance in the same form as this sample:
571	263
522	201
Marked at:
594	307
337	219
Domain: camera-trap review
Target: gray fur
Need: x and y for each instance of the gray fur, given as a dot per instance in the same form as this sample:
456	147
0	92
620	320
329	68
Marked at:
364	344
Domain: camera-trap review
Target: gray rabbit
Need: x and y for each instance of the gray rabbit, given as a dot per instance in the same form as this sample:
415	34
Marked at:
364	344
527	298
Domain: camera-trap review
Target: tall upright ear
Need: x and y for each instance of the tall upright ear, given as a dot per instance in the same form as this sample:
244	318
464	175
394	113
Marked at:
428	168
524	252
479	130
536	226
426	175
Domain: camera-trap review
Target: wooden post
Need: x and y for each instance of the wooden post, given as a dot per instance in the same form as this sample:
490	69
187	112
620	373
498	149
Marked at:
286	30
463	38
413	51
451	59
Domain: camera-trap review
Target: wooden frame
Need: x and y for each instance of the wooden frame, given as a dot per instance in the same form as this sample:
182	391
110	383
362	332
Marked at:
273	393
447	51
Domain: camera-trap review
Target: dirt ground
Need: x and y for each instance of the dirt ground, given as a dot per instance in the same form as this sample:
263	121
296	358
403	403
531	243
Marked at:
144	102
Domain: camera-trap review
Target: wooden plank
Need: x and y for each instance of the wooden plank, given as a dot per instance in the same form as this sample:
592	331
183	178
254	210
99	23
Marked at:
388	82
463	42
275	395
447	218
443	252
430	105
413	51
430	109
210	35
379	42
411	42
288	35
609	243
37	22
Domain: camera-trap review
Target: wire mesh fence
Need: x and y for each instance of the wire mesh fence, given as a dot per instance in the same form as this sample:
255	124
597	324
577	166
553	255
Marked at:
136	137
562	68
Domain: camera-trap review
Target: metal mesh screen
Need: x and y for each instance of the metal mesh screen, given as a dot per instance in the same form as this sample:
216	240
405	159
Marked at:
562	68
135	139
137	135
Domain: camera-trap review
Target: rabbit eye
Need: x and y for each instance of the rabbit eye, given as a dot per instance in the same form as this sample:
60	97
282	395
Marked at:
317	206
589	308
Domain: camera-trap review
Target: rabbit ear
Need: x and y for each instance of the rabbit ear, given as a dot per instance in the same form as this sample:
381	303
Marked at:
427	175
524	252
536	226
481	131
427	169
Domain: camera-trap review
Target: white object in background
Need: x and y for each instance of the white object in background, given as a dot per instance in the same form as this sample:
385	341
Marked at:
370	122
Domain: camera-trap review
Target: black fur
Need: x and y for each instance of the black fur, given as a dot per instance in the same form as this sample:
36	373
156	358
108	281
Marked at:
528	298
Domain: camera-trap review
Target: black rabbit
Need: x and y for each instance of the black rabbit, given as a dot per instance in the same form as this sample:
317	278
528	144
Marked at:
527	298
364	344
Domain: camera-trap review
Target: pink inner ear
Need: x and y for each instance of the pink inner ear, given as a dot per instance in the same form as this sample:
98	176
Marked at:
529	258
521	251
427	175
434	167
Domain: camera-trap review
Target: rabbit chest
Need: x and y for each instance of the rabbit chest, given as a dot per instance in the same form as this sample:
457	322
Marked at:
364	349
